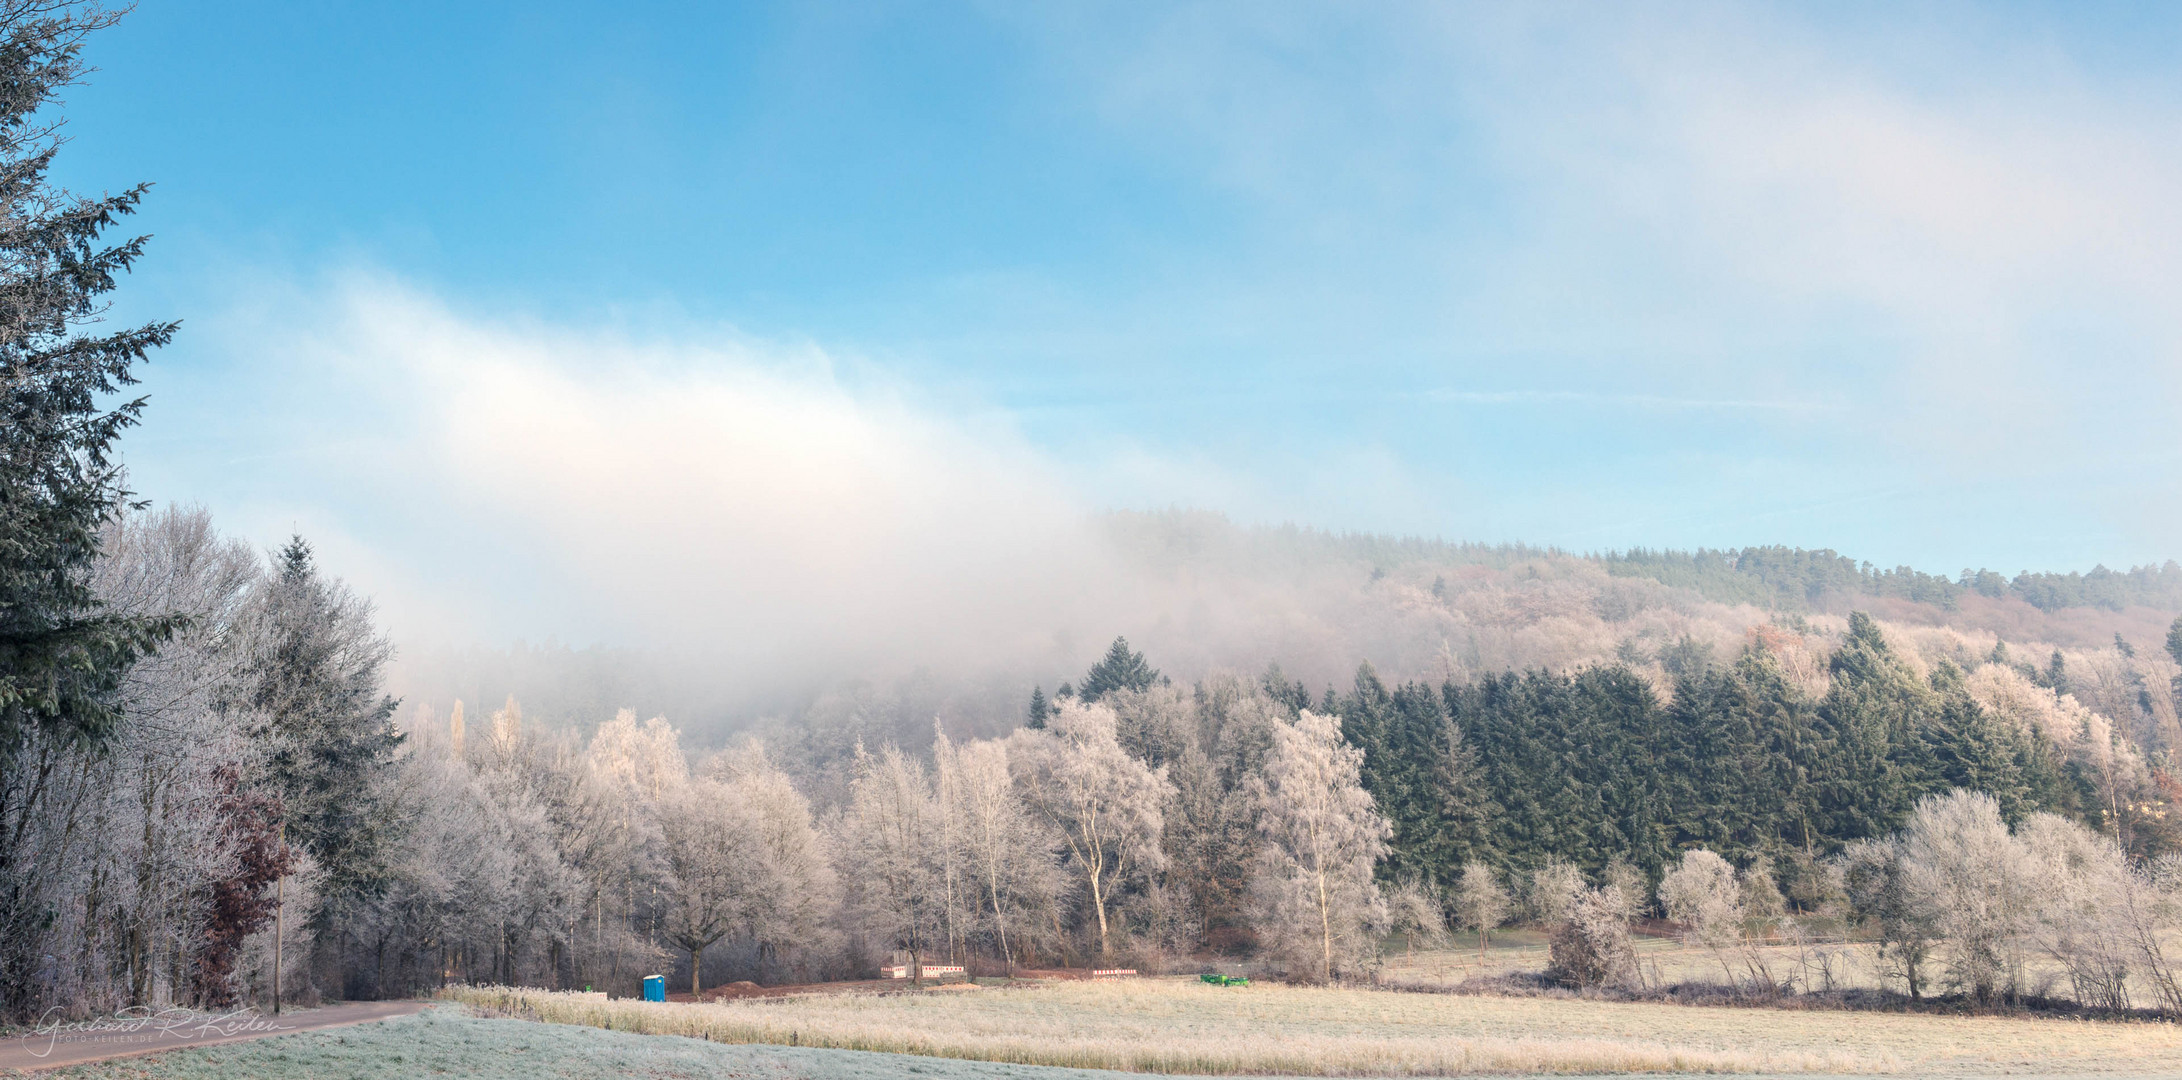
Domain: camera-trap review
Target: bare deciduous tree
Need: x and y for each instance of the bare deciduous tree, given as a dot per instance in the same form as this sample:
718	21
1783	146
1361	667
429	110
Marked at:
1961	864
1106	805
887	861
714	861
1008	853
1703	895
1314	892
1481	902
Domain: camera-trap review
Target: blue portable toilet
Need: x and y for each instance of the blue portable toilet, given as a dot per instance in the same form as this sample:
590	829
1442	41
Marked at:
655	988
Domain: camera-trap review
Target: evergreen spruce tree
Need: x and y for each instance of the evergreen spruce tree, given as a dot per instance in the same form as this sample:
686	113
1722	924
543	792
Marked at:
2055	676
1120	669
1976	750
1039	709
313	685
1872	717
61	655
1416	769
1790	751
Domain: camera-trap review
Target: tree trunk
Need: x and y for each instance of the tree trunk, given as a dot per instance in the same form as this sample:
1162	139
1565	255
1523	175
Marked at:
1098	901
1000	920
696	956
1325	925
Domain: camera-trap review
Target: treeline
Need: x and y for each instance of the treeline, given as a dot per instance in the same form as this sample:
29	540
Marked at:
1794	579
238	783
1956	899
1521	769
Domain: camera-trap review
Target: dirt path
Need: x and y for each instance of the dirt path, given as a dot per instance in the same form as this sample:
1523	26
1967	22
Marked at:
146	1032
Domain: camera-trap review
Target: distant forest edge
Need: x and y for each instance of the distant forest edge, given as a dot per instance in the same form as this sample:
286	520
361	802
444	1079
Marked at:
1774	576
1785	578
1208	594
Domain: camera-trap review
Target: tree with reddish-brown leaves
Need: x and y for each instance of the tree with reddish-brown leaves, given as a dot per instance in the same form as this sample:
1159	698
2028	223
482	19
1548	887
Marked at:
243	902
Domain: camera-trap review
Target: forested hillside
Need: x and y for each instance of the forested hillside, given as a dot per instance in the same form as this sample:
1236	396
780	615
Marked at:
1206	595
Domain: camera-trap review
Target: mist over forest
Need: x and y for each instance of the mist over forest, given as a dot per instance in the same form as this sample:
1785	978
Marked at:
1204	595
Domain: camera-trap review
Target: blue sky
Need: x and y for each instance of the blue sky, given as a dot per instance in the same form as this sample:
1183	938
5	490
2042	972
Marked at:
1897	282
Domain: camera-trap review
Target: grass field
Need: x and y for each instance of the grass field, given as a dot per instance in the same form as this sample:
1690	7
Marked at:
1184	1026
1664	962
445	1042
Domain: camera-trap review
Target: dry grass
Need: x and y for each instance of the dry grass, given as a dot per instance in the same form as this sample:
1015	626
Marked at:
1177	1026
1664	962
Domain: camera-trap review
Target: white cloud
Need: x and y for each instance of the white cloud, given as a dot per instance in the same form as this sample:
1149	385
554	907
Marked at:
751	503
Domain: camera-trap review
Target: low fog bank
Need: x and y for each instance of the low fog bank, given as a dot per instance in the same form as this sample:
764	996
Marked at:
742	535
1200	594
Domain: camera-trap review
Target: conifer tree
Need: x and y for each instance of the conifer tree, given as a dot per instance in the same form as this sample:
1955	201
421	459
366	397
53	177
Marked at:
1119	669
312	684
61	655
1872	715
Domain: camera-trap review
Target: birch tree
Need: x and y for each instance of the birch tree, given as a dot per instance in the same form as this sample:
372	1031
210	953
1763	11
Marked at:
959	900
1008	852
1314	892
1107	806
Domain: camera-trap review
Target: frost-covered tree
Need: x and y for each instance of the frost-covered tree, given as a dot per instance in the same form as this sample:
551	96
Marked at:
145	857
1415	913
949	837
2085	899
1481	902
1315	901
1008	853
63	653
1211	832
643	762
1550	889
1873	878
1702	894
312	687
1590	945
715	867
1107	806
794	892
1119	669
1961	864
885	842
